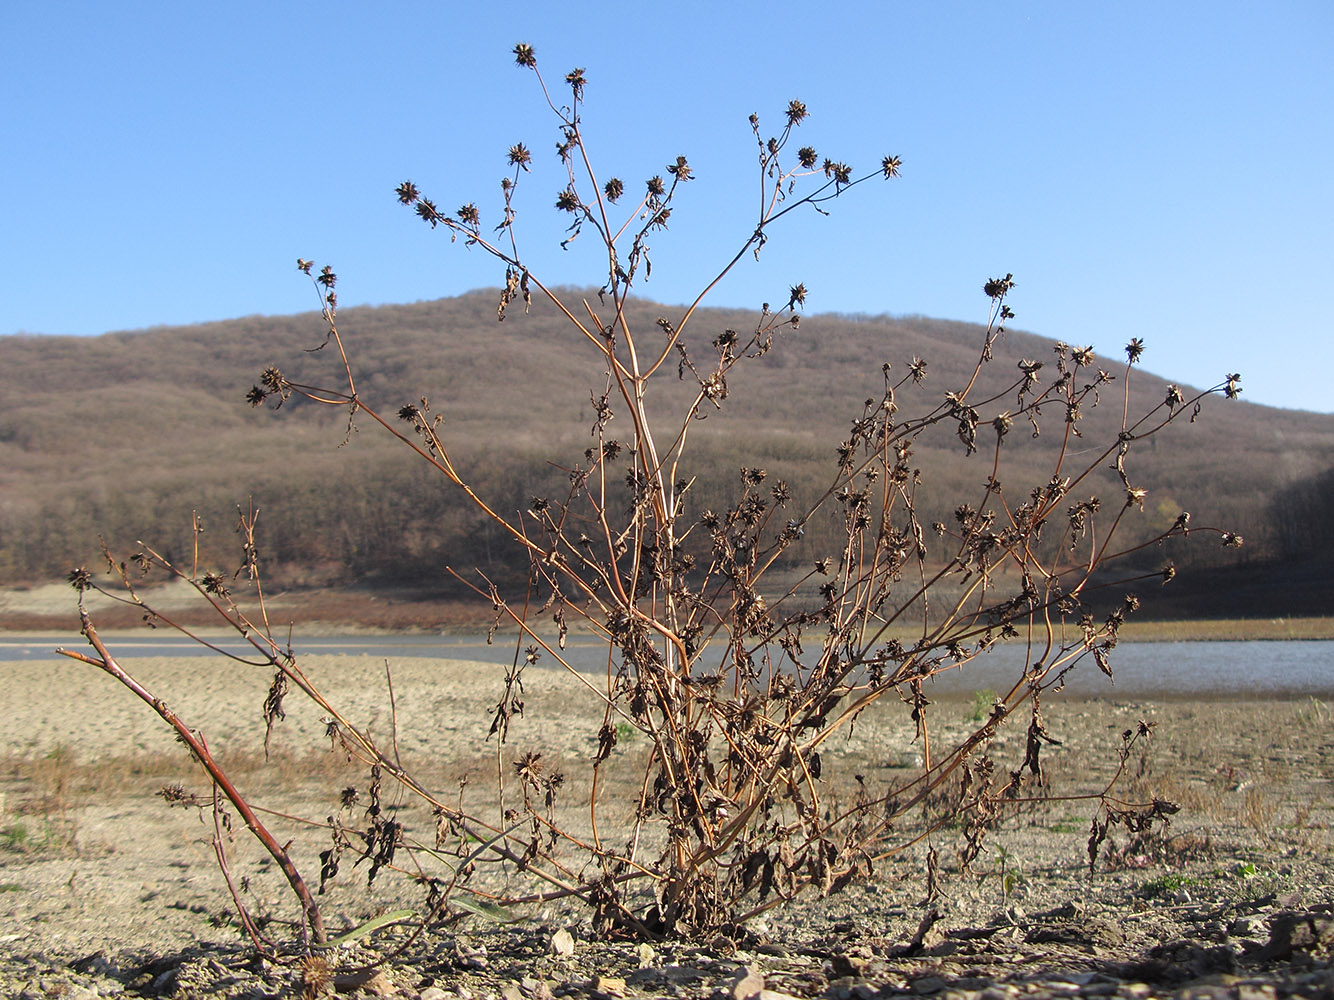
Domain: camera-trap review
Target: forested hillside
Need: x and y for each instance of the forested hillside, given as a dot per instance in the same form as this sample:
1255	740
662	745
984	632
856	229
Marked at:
126	434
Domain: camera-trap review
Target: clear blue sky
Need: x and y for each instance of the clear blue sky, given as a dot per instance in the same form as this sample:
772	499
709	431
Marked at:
1160	170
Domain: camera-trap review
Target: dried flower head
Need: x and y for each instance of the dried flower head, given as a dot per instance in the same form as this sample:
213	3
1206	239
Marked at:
525	56
796	113
576	79
613	189
1134	349
889	166
997	288
407	194
519	156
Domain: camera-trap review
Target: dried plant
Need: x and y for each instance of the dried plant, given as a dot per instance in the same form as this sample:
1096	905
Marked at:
732	670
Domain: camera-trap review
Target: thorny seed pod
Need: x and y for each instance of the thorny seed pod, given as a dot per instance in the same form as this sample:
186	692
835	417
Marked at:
524	55
427	212
1134	350
519	156
407	195
889	166
613	189
996	288
576	79
680	169
807	157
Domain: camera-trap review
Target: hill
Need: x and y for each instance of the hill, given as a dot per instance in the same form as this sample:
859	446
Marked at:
126	434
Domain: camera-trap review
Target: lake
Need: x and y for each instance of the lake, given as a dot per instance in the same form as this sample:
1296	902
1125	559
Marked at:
1142	669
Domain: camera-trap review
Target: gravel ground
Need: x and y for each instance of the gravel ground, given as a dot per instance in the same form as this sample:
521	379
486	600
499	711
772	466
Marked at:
106	890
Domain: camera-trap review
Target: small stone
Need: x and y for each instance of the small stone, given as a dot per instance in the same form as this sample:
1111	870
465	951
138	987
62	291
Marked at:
1245	927
646	955
163	982
96	964
562	943
371	981
1100	989
612	986
747	983
433	993
927	985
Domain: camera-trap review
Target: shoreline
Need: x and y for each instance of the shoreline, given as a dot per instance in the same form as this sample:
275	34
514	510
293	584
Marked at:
1306	629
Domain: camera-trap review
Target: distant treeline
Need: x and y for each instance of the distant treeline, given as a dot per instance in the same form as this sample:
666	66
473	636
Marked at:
124	436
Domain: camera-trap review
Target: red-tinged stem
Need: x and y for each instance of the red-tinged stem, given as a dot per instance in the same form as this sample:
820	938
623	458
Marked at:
107	662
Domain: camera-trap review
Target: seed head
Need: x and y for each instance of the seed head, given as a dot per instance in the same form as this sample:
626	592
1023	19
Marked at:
576	79
519	156
407	195
525	56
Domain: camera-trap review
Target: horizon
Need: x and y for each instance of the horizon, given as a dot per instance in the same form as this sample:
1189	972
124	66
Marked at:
1142	172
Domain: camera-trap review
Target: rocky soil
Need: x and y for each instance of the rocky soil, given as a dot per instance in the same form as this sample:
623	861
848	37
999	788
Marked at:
105	890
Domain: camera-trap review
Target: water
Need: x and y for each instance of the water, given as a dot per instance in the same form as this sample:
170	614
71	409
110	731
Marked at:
1144	669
